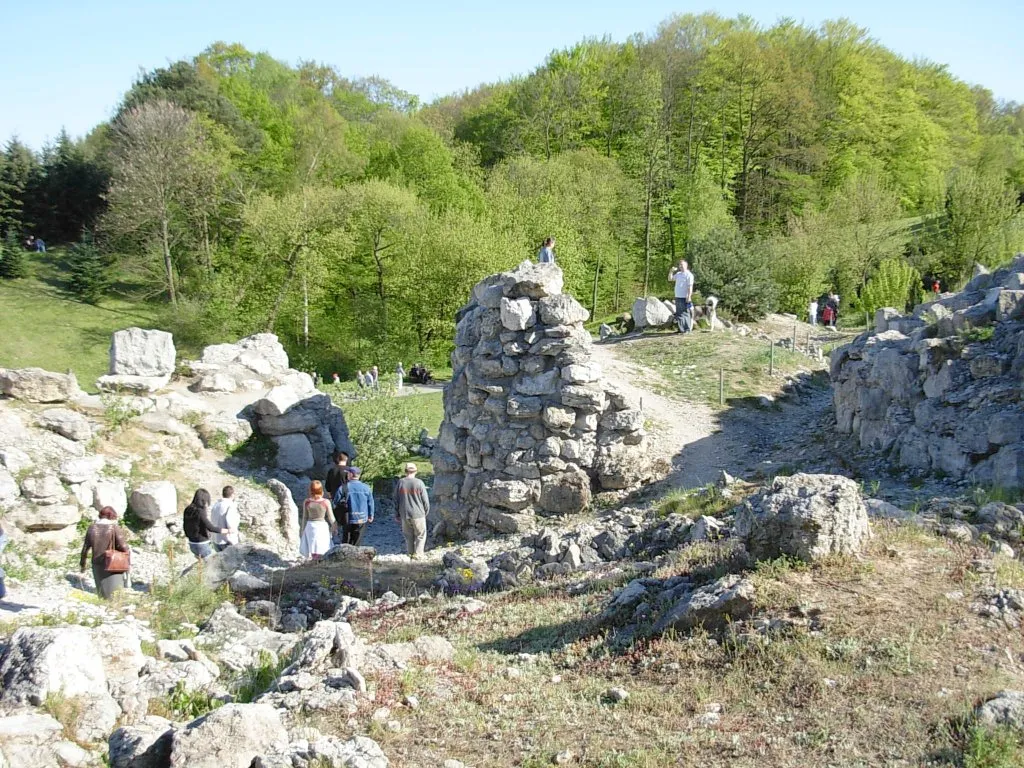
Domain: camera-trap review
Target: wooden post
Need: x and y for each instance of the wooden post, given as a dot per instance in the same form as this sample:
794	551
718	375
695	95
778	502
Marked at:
721	387
867	320
771	357
795	326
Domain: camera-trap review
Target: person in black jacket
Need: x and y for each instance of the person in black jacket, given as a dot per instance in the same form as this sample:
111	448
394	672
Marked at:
198	527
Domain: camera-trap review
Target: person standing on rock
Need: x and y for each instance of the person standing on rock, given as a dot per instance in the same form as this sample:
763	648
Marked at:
547	252
412	505
198	525
318	523
360	507
683	278
103	536
225	515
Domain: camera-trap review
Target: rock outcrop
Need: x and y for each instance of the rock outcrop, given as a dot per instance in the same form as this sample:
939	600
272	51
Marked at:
806	517
34	385
140	361
530	427
939	390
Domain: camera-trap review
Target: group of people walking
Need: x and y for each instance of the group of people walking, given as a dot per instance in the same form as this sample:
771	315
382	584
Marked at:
827	309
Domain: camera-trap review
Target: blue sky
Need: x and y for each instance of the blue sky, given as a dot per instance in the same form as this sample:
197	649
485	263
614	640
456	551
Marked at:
79	56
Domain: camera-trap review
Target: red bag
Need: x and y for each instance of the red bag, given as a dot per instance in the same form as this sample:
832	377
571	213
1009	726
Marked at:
114	560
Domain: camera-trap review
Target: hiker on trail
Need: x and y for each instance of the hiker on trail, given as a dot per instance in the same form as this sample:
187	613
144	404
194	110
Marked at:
400	375
935	286
4	541
547	252
359	379
336	486
683	278
360	507
368	380
318	523
828	315
198	525
412	505
812	311
40	245
104	537
375	375
225	515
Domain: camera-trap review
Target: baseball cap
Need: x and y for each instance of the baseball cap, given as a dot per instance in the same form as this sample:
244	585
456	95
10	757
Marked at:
354	471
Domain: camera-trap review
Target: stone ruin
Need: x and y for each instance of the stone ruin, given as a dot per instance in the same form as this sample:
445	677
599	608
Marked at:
939	390
530	428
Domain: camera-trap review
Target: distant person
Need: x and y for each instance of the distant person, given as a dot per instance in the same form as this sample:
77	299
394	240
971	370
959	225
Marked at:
936	288
828	316
317	523
40	245
683	278
102	537
4	541
375	376
812	312
359	378
412	505
368	380
198	525
547	252
400	375
224	514
360	507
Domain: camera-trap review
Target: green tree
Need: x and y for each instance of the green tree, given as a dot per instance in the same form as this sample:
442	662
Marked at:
895	284
89	269
725	265
983	223
13	263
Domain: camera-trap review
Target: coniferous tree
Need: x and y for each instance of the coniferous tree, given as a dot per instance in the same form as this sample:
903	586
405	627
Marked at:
12	262
89	269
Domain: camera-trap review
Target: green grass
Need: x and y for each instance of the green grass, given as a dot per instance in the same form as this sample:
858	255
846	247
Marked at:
43	325
186	600
689	365
993	748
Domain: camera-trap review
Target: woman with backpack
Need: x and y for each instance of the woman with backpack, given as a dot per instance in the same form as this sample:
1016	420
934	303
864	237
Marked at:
110	554
198	526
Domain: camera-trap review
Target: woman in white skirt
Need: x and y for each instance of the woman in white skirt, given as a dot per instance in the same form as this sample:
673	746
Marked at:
318	524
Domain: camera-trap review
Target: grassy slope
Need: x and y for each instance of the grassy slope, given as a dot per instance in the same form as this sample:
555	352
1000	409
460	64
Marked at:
885	680
42	325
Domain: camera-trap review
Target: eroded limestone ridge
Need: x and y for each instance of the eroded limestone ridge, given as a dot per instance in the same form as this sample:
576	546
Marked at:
939	390
530	427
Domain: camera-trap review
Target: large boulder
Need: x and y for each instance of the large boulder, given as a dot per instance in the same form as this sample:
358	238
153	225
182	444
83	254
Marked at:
34	740
81	470
712	606
294	453
154	500
34	385
145	744
650	312
1004	710
229	737
40	661
110	493
804	516
139	352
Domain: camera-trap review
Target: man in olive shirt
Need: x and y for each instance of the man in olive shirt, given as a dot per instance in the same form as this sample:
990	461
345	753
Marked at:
412	507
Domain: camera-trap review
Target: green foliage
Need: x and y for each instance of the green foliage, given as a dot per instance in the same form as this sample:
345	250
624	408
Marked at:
117	412
89	270
983	224
895	284
993	748
694	503
727	266
382	428
186	704
258	679
13	264
185	600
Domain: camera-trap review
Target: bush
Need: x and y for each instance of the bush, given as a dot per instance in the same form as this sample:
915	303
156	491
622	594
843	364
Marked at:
186	600
257	680
89	269
382	429
12	258
727	266
895	284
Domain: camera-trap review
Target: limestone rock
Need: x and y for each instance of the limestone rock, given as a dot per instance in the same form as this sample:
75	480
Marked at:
67	423
81	470
650	312
294	452
229	737
517	314
1005	709
48	517
145	744
43	489
804	516
110	493
154	500
34	385
138	352
712	606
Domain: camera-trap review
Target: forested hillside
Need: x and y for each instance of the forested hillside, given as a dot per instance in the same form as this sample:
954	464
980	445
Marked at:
352	220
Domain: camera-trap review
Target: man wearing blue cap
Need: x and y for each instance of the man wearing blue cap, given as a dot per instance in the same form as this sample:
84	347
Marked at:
360	507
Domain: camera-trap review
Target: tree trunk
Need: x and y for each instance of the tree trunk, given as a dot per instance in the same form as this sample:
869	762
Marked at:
305	313
647	235
671	235
168	265
381	293
618	272
597	275
206	243
293	264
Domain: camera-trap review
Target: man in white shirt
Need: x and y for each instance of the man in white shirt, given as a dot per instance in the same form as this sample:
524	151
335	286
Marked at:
224	514
683	278
812	310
